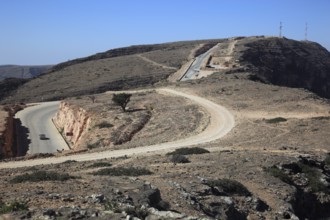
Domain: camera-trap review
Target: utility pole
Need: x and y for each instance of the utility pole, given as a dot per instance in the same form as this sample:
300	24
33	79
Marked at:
306	31
281	29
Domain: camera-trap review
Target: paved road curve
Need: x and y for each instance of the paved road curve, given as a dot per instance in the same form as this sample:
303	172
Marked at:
221	123
37	119
196	66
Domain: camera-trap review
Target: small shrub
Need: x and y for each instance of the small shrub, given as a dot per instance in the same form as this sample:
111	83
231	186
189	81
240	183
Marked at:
95	144
123	171
112	206
231	187
92	146
104	124
178	158
322	118
69	161
313	175
122	100
276	172
276	120
327	160
13	207
39	176
100	164
187	151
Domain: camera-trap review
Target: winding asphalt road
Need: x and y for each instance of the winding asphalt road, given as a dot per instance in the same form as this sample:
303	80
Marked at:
38	119
196	65
221	123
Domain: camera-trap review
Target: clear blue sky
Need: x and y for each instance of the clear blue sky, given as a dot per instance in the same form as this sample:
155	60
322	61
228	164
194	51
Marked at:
52	31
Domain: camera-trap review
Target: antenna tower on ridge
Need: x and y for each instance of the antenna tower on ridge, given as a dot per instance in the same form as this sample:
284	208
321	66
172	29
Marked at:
281	26
306	31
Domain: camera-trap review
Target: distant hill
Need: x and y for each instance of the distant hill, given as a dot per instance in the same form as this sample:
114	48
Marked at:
21	72
274	60
117	69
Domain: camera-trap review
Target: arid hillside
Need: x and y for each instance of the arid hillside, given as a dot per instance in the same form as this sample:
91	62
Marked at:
274	60
123	68
273	164
22	72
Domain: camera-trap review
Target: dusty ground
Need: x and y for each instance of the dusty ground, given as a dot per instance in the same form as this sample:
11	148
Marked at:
252	103
253	144
151	118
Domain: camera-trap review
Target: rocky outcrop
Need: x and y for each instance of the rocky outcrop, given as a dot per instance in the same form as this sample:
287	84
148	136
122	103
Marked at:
284	62
311	179
8	145
73	122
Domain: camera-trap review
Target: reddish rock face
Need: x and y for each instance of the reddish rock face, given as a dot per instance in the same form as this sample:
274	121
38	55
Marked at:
73	122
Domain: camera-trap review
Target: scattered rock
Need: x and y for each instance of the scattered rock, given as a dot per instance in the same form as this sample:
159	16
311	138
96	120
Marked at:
49	212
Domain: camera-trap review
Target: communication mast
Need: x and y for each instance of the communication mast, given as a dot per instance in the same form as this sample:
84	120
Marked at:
281	26
306	31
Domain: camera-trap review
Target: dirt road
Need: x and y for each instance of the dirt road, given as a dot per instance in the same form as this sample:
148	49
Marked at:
221	122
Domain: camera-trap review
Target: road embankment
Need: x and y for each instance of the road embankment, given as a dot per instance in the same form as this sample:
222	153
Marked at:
13	137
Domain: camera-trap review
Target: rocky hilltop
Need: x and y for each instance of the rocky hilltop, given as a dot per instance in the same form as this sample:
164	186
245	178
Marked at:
284	62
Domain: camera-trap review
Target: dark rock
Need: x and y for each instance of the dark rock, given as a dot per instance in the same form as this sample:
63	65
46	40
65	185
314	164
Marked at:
150	197
259	205
293	167
49	212
222	210
307	205
98	198
218	191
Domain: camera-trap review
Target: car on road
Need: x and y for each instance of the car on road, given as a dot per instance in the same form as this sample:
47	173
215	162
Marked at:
43	137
